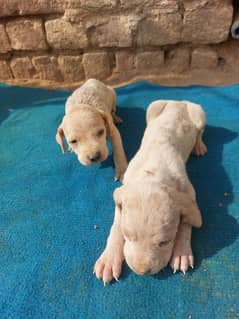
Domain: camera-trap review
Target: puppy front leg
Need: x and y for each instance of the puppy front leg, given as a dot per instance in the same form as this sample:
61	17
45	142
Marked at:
109	264
182	257
118	151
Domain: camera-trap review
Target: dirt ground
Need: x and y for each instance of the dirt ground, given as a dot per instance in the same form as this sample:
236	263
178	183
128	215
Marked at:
206	77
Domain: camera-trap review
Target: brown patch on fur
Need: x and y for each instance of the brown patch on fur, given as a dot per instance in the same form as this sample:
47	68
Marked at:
149	172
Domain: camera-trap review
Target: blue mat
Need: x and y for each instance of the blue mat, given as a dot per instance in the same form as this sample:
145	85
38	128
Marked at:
55	214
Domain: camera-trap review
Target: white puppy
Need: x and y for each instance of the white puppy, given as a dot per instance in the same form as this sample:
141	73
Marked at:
156	206
89	119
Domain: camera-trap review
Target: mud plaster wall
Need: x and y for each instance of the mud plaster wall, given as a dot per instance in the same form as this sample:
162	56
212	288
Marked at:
61	43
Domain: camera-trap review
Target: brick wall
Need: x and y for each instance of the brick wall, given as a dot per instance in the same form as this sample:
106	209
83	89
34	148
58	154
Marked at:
64	42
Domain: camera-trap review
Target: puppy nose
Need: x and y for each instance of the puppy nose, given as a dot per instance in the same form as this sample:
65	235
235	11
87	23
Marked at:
145	271
142	269
95	157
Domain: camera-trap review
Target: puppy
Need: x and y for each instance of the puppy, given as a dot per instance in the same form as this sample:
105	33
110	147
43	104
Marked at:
156	206
89	119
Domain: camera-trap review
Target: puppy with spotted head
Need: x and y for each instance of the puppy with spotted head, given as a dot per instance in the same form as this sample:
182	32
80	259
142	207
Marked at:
89	119
156	205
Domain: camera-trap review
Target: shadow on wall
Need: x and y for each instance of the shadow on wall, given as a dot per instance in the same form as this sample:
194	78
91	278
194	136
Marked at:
12	97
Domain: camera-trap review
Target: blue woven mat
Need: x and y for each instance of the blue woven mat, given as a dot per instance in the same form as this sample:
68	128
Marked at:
55	214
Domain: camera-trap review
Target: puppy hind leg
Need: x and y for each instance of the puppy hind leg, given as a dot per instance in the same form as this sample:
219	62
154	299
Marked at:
198	117
200	149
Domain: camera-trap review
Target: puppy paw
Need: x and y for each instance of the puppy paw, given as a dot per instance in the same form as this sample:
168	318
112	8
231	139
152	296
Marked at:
108	266
119	176
119	172
182	257
181	263
117	119
200	149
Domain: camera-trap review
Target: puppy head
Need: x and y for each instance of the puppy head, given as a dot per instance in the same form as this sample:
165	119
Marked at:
85	130
149	223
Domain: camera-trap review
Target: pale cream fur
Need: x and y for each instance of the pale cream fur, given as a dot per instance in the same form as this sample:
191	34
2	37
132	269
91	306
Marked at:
89	119
156	206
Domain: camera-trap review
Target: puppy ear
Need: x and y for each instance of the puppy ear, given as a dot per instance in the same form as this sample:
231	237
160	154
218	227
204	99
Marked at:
191	214
118	194
189	209
109	124
184	197
60	137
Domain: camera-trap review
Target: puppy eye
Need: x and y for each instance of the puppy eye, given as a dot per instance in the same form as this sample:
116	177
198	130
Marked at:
100	132
164	243
73	142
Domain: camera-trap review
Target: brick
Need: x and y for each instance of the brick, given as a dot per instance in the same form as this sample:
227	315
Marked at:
62	34
93	4
5	72
207	25
204	58
5	45
71	67
228	53
124	61
148	61
26	34
164	5
90	5
97	65
76	15
47	68
178	59
165	29
23	7
115	31
22	68
195	4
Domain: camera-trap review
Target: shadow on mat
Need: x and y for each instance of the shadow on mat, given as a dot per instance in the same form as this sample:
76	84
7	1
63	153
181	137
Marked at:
131	130
214	194
13	97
